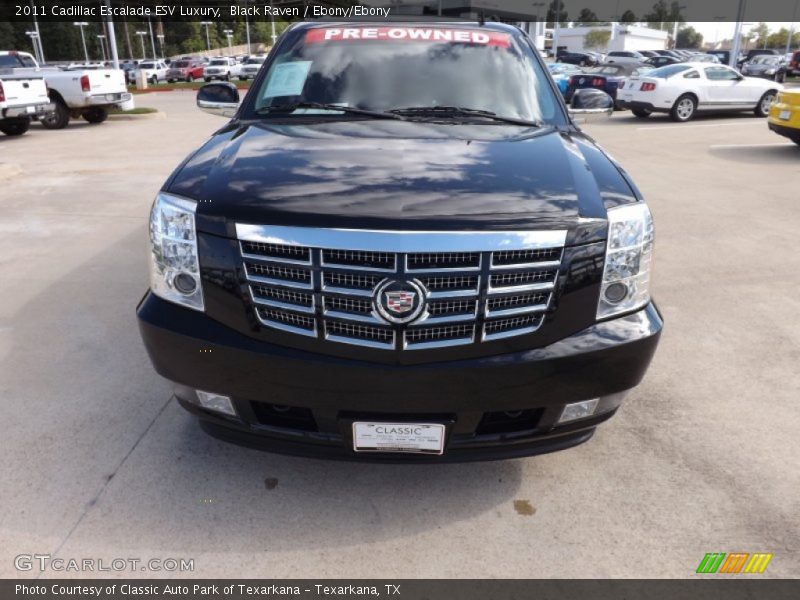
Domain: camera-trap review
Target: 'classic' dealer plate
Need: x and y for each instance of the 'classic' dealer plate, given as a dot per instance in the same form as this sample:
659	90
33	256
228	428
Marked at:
425	438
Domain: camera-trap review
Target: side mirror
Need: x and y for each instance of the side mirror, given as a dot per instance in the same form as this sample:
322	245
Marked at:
589	104
221	99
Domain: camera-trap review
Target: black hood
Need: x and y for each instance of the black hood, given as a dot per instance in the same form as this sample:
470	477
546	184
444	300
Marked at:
400	175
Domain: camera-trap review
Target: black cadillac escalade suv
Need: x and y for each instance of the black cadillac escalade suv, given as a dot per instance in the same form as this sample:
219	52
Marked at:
401	247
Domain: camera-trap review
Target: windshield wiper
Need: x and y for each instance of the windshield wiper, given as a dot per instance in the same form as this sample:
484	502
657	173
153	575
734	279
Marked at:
458	111
291	107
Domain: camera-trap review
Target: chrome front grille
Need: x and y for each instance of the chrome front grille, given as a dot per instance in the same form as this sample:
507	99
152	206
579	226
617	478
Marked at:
477	287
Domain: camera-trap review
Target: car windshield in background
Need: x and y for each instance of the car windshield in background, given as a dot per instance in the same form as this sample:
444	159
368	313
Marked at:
766	60
255	61
668	71
147	66
218	62
181	64
395	68
604	70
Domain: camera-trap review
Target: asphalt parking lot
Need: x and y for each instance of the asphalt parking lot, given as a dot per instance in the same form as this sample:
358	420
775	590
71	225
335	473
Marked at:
97	462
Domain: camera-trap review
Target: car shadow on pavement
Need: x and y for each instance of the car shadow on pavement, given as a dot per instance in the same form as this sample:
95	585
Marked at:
128	468
781	152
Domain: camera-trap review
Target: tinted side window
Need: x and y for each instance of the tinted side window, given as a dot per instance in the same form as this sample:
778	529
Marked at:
720	74
692	75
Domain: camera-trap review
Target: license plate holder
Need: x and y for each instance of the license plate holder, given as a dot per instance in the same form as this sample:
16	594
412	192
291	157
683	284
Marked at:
785	115
404	438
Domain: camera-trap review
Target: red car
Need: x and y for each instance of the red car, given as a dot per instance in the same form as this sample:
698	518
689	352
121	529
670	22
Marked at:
185	70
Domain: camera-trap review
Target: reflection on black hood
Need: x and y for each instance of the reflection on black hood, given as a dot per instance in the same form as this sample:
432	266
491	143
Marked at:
395	175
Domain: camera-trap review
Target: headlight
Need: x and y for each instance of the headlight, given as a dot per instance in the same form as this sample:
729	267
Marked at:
626	276
770	71
174	268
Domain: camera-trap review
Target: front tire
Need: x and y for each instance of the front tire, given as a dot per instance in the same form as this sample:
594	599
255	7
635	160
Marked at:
206	79
642	113
762	108
59	118
95	115
189	79
684	108
15	126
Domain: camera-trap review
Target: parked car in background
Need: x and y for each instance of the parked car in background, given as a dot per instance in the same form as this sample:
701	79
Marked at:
606	77
561	73
80	92
766	65
648	53
723	56
661	61
251	67
793	65
185	70
684	89
154	71
752	53
708	58
23	93
223	68
784	115
625	56
583	59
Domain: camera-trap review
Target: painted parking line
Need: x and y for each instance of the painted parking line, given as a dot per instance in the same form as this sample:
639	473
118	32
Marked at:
695	125
775	145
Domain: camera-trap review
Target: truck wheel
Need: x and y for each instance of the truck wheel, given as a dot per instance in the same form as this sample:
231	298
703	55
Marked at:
206	79
59	118
762	108
642	113
154	80
189	79
15	126
227	77
684	108
95	115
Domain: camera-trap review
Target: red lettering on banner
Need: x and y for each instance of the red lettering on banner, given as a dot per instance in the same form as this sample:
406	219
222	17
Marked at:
410	34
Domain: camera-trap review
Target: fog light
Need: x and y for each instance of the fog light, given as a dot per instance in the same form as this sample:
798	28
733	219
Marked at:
616	293
578	410
186	284
216	402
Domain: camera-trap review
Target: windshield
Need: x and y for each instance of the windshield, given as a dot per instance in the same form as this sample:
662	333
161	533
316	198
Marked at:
181	64
147	66
668	71
391	68
218	62
255	61
766	60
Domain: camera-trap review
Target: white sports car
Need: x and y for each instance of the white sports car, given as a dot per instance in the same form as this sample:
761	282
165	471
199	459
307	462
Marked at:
683	89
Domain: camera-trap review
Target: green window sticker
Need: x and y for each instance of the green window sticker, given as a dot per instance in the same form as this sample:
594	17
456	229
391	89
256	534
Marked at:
287	79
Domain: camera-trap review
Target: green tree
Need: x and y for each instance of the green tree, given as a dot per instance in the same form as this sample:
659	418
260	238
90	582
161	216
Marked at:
628	17
688	37
563	15
586	17
759	33
597	38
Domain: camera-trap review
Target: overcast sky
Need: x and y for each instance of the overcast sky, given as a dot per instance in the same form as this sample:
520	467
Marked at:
720	31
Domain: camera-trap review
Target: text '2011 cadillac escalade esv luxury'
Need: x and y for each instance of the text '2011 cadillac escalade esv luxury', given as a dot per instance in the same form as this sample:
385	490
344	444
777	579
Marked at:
401	247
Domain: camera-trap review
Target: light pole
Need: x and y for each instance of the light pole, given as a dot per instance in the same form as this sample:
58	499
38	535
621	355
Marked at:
791	27
737	36
229	34
37	39
83	24
141	35
272	20
556	23
160	37
206	24
152	39
675	26
102	38
34	41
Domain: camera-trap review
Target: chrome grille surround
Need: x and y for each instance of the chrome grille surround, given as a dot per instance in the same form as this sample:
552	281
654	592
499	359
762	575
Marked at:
478	286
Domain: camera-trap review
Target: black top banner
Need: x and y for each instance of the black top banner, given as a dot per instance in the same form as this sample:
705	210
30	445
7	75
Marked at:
737	588
507	10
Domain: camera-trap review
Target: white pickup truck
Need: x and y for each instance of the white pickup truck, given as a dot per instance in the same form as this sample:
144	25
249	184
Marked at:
80	92
22	97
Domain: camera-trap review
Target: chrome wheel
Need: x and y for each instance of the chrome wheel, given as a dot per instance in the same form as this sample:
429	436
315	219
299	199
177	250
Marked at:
685	108
766	102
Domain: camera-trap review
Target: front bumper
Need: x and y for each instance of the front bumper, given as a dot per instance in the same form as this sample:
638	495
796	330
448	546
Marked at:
196	352
792	133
